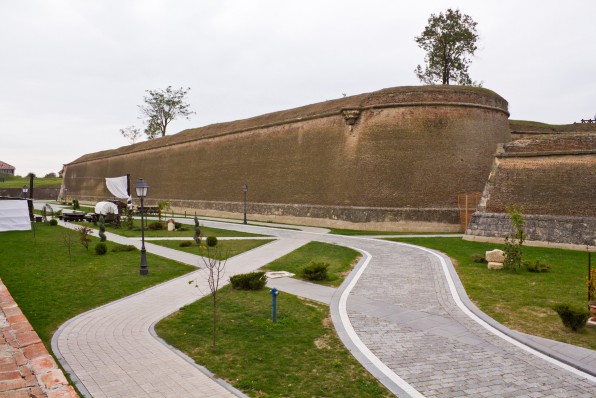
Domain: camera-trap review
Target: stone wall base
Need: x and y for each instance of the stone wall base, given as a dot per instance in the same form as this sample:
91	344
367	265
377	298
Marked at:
541	230
349	217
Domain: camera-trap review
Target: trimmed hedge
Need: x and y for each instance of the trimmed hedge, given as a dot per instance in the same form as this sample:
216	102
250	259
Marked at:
574	318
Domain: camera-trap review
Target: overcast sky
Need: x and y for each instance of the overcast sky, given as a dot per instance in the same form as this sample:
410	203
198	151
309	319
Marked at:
73	72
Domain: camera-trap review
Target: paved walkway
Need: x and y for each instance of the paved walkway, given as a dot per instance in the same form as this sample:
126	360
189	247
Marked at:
399	313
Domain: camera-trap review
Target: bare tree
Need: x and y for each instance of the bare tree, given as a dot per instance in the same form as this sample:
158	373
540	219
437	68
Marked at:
215	264
131	133
67	241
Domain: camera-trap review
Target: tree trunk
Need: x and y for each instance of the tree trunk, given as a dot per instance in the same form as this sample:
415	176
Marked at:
214	321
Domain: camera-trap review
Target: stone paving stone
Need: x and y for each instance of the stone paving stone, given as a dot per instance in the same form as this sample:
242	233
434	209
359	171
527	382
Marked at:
427	340
431	362
112	352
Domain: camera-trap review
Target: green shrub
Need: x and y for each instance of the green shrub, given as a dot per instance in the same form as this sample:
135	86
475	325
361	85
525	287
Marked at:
53	222
536	266
186	243
197	234
514	242
250	281
315	271
177	225
574	318
211	241
102	229
101	248
75	204
156	225
124	248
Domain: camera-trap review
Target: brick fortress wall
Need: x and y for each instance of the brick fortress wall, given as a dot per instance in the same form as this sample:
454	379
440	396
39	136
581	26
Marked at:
553	178
392	159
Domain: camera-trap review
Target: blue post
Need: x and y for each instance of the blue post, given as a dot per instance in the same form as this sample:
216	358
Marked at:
274	294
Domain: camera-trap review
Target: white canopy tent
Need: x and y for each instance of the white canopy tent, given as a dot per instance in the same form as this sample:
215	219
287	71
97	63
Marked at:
105	208
14	215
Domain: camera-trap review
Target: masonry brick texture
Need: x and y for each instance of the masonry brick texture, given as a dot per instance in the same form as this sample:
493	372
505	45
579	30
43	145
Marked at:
26	367
412	149
553	179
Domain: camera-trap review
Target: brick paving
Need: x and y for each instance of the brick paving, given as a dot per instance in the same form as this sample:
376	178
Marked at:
26	368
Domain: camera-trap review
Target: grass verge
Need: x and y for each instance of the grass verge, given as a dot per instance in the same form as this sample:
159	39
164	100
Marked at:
521	300
299	356
51	288
11	181
229	248
341	260
355	232
188	231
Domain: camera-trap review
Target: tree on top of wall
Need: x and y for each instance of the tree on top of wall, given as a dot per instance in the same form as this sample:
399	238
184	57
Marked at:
161	107
449	40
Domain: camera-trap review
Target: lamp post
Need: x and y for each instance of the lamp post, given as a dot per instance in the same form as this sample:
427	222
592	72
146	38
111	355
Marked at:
245	190
141	188
25	190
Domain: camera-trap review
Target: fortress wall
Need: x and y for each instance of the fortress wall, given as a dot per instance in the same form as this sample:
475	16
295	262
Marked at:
553	179
399	166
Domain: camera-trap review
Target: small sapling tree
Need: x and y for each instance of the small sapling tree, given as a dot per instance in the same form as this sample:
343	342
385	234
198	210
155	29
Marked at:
514	242
162	207
131	133
215	272
84	236
67	241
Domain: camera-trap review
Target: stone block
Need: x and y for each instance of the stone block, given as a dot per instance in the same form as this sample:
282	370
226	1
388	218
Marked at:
52	378
495	265
496	255
42	364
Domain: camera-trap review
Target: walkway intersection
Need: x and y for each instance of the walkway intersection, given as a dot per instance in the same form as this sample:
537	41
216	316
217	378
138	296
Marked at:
399	313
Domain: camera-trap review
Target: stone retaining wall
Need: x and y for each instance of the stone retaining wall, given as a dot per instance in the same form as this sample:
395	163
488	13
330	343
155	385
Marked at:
346	160
559	229
38	193
26	368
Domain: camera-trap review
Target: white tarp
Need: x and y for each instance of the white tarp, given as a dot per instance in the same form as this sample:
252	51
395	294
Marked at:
105	208
118	186
14	215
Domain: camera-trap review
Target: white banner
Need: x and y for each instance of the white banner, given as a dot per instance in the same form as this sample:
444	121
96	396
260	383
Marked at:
118	187
14	215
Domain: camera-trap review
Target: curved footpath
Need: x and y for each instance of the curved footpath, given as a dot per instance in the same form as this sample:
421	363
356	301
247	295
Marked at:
399	313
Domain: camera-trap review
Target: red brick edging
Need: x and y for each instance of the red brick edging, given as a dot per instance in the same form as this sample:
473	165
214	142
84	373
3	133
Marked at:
26	368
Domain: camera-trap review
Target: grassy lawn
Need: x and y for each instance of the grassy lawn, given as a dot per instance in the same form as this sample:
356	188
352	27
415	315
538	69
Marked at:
188	232
341	260
18	182
522	300
51	289
299	356
229	248
353	232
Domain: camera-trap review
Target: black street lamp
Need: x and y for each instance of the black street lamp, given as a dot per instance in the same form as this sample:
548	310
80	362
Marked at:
25	190
142	188
245	190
